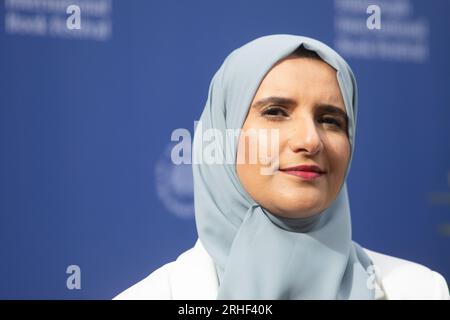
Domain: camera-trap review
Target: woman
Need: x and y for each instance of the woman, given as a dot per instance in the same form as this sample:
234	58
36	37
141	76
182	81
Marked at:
278	227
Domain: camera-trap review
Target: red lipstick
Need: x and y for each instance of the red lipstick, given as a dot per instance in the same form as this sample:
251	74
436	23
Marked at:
306	172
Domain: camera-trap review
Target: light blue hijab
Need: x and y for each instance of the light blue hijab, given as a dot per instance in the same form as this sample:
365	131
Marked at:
259	255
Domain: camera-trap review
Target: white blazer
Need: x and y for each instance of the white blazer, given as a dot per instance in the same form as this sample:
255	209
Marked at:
193	276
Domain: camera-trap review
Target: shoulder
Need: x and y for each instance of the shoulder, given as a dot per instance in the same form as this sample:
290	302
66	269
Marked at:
191	276
156	286
403	279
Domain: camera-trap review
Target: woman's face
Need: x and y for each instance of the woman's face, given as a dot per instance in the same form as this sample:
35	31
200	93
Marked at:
301	98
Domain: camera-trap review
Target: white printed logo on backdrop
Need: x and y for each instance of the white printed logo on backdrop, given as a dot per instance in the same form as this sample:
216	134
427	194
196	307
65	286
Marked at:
440	199
68	19
381	30
174	184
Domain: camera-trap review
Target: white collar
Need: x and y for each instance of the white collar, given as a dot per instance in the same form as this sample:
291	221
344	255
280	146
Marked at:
194	276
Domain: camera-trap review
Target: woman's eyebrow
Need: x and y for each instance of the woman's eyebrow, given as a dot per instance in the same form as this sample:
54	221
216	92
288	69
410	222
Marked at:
274	100
288	102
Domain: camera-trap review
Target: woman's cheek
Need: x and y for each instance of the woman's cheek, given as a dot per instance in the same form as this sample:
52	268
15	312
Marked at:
269	151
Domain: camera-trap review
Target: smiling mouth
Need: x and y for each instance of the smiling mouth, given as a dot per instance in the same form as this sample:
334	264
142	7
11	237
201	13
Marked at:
305	175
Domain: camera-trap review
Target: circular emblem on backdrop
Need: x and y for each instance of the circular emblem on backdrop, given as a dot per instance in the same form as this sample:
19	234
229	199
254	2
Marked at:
174	185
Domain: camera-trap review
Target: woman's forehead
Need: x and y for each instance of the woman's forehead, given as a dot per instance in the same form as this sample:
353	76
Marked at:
302	79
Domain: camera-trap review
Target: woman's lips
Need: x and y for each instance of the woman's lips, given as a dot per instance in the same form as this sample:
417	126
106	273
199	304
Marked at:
306	175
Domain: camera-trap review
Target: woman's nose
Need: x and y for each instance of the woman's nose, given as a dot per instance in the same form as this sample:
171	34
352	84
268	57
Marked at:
305	137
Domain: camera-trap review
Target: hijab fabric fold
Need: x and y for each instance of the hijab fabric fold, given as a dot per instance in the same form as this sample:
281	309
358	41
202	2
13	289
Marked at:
259	255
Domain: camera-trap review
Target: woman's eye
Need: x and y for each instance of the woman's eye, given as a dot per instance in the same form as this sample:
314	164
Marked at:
332	121
274	112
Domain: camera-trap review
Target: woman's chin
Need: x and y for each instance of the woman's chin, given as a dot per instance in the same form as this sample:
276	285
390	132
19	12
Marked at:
307	209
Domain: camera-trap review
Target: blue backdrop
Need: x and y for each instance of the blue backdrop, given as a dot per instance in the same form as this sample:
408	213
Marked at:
86	117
